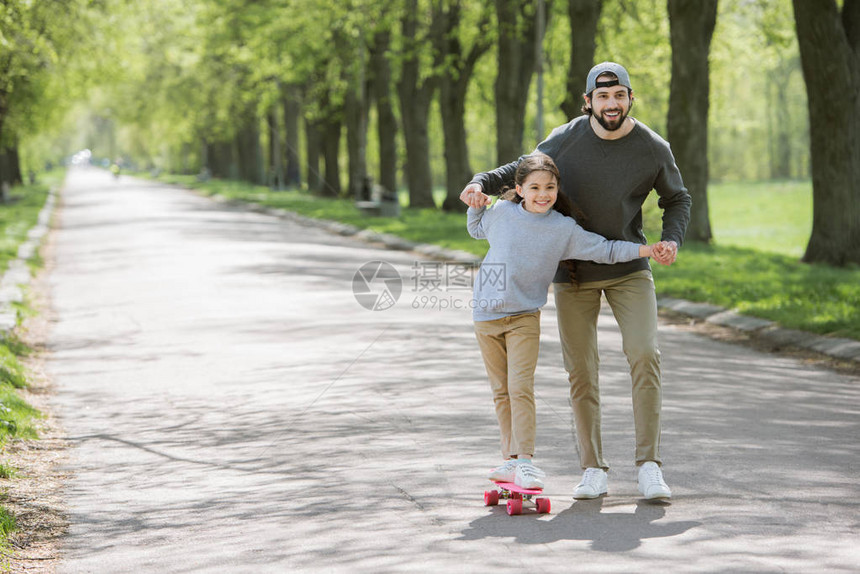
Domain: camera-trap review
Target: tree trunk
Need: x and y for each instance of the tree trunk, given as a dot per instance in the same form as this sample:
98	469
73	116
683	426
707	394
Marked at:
234	168
312	155
691	28
584	16
830	56
221	160
517	59
386	122
250	151
212	160
4	109
5	178
13	165
781	136
780	133
331	131
415	97
276	168
204	158
356	134
453	85
292	111
248	147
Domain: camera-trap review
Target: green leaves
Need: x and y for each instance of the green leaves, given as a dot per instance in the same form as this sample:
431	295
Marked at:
166	74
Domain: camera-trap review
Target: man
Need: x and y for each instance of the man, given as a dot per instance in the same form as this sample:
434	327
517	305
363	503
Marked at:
609	163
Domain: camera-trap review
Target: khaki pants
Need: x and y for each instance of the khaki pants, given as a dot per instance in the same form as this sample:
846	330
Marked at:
510	349
634	305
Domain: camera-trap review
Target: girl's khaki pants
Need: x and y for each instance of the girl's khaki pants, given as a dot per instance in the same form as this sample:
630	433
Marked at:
510	349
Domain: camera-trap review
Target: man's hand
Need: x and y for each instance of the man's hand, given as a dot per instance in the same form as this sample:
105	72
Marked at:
665	252
474	197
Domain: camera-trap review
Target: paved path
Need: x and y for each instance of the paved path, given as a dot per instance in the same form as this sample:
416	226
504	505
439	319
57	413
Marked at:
234	409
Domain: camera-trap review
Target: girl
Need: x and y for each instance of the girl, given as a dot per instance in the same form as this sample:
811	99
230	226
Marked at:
529	235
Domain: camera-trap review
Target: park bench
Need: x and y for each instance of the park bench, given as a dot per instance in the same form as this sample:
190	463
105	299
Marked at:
382	203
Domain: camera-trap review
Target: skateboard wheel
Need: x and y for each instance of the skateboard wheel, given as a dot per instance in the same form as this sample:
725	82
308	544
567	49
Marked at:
516	496
543	505
515	507
491	497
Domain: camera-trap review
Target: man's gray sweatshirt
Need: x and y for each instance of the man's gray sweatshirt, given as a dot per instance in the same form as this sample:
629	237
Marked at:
607	181
525	249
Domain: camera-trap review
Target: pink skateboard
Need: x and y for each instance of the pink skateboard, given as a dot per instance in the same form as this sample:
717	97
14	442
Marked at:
515	496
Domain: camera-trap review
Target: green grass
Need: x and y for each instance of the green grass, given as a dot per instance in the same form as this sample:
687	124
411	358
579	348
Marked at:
20	213
7	471
7	523
11	371
814	298
17	216
774	216
16	416
760	232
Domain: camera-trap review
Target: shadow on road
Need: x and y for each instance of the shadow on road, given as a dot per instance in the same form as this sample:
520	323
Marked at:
585	520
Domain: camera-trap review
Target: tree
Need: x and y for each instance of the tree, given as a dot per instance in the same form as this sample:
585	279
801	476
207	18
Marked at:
355	112
779	61
248	148
313	148
758	126
416	89
33	36
318	42
583	16
292	116
331	126
455	67
517	59
386	121
829	44
276	167
692	25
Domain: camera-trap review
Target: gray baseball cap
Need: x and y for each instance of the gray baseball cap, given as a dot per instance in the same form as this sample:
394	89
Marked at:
607	68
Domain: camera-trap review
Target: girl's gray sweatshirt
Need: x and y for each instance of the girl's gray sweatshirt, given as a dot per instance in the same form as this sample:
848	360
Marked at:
525	249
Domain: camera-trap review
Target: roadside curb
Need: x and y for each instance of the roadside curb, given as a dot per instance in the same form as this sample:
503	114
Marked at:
18	274
837	348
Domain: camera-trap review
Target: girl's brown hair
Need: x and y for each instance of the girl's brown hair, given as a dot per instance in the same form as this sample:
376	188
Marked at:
538	161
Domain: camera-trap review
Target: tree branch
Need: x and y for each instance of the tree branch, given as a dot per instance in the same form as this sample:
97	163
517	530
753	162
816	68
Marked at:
483	43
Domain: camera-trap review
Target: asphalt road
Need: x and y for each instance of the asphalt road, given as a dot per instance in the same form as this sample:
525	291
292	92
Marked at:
234	408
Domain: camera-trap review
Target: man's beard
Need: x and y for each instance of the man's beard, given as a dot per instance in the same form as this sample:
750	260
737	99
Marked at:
611	125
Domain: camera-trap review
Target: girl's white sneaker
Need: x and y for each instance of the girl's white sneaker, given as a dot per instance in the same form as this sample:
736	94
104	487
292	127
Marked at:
528	475
507	472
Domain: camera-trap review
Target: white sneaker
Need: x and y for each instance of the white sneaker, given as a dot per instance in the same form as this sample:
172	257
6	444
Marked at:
651	483
506	472
594	483
528	475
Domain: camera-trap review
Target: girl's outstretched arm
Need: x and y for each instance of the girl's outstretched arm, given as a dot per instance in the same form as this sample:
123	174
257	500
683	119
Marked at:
474	222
